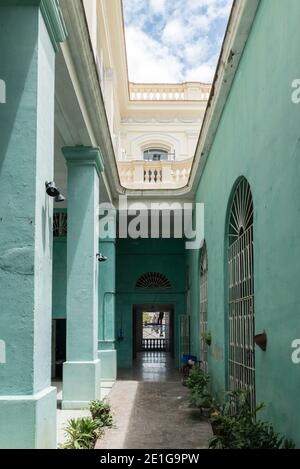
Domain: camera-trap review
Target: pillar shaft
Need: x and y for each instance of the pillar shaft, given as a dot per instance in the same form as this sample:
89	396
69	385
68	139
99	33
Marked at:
107	301
27	57
82	369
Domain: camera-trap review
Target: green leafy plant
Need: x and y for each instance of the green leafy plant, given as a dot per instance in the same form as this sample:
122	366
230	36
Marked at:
82	433
206	336
101	411
197	379
207	402
196	398
235	426
197	382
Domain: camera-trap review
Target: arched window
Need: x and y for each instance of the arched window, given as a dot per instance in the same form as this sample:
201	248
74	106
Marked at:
155	155
203	319
241	366
153	280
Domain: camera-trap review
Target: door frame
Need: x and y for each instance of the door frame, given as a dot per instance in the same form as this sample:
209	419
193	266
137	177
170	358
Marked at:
137	309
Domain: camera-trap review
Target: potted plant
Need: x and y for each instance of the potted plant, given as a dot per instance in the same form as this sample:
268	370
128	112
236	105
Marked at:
215	421
197	378
196	398
101	411
82	433
206	405
206	336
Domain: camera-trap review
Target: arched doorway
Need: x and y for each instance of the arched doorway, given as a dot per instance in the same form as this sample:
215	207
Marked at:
203	307
241	358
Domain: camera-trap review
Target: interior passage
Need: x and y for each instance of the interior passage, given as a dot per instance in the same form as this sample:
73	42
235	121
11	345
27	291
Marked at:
151	409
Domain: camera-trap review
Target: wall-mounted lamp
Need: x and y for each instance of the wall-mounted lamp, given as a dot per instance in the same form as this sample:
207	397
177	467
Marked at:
101	257
261	341
54	192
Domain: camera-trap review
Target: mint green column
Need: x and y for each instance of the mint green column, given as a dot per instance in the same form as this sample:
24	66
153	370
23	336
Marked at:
107	291
81	373
28	36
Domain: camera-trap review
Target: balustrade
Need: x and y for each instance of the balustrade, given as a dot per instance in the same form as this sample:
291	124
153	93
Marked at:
152	345
140	174
165	92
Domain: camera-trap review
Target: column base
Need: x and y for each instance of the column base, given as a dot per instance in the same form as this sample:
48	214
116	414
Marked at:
28	422
108	360
81	384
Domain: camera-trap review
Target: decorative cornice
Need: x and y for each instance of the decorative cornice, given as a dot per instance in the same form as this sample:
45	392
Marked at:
84	156
107	240
52	15
85	66
54	21
152	120
238	30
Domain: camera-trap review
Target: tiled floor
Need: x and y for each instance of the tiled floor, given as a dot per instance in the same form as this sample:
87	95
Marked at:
153	367
151	409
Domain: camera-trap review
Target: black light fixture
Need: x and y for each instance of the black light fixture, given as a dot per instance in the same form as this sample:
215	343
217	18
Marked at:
59	198
101	257
54	192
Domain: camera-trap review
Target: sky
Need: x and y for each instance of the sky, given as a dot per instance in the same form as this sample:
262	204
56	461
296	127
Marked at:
172	41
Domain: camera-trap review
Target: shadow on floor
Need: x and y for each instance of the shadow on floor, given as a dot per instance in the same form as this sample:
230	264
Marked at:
151	409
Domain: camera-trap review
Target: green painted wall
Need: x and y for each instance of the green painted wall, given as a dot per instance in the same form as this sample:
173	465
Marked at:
259	138
134	258
59	291
107	295
27	401
81	372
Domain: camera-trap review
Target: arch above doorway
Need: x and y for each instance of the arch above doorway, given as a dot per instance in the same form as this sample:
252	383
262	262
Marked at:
153	280
240	288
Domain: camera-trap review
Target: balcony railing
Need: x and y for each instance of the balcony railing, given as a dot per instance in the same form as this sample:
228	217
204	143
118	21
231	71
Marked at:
139	174
152	345
167	92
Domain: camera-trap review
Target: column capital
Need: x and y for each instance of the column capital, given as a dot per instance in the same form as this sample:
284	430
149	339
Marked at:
107	241
84	156
52	15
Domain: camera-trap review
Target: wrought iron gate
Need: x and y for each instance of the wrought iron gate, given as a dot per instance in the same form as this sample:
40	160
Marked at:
241	293
203	308
184	343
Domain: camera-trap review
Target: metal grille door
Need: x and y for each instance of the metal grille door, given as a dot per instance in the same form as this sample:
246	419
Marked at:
241	293
184	325
203	308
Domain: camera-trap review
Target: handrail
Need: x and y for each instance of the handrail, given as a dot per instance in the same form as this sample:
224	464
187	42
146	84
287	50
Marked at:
169	92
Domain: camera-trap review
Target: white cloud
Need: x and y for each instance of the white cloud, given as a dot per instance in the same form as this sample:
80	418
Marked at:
148	60
174	40
157	6
174	32
205	72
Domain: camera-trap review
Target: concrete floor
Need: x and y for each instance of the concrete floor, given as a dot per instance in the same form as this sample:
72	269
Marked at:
151	409
63	416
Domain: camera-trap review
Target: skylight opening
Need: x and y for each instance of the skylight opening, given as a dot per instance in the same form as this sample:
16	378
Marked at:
174	41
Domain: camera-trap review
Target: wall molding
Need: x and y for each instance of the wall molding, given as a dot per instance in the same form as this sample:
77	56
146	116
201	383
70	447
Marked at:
52	15
54	21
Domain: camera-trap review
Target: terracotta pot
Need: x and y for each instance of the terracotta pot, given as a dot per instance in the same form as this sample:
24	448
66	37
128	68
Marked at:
216	429
261	341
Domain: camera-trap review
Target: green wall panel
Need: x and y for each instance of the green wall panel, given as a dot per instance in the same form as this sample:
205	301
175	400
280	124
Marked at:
259	138
134	258
59	292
